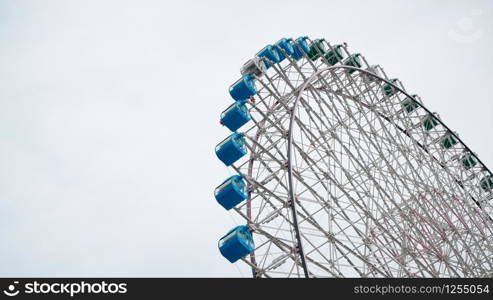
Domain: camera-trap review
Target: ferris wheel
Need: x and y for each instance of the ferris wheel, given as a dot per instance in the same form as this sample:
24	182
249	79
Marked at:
340	172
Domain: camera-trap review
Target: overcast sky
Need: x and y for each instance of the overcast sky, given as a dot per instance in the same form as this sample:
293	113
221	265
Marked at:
109	116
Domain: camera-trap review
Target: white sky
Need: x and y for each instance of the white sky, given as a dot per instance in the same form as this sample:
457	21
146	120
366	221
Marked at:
109	116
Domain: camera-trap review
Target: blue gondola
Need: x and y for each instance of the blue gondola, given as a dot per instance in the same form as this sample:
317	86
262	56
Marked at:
244	88
235	116
231	149
231	192
237	243
286	45
271	54
300	47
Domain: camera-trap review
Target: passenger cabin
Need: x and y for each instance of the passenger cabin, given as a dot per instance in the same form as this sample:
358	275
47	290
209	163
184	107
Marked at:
231	192
354	61
231	149
335	55
410	104
237	243
429	123
300	47
244	88
271	55
235	116
287	46
253	66
468	161
449	140
487	183
388	89
374	70
317	49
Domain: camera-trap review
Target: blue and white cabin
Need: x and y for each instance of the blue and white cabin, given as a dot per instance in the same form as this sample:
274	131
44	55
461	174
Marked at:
286	45
271	54
237	243
231	192
244	88
300	47
231	149
235	116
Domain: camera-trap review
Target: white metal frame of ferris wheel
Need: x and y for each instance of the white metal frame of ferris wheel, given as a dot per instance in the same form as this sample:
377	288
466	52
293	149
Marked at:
375	194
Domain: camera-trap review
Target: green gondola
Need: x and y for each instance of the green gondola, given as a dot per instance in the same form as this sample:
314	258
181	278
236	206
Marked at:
410	104
449	140
354	61
487	183
334	56
388	89
430	122
317	49
468	161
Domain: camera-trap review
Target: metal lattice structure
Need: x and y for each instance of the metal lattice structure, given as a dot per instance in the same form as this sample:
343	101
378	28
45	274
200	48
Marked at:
349	175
